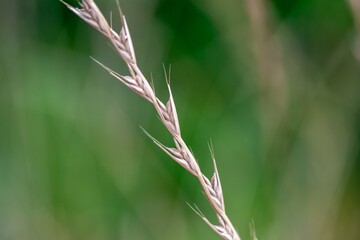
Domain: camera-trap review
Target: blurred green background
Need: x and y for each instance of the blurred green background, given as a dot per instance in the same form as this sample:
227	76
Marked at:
275	85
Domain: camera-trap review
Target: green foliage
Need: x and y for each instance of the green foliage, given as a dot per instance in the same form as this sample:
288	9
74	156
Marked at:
75	165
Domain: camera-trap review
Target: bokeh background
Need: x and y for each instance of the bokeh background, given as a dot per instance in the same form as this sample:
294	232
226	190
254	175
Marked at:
275	85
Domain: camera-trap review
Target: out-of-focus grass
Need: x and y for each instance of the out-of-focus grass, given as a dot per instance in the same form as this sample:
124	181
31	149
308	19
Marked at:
275	86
